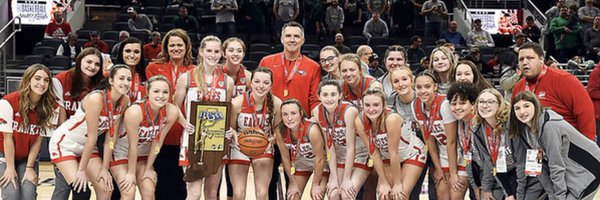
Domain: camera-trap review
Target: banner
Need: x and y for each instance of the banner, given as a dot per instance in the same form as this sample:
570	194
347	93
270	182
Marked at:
33	12
497	21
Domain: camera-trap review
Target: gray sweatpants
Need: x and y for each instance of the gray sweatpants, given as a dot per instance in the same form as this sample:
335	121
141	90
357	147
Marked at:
25	191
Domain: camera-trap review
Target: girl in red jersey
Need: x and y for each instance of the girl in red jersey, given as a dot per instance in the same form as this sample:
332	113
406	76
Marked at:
204	83
130	53
72	85
20	141
355	83
73	145
302	151
329	63
255	109
234	51
346	156
174	60
442	62
147	123
432	111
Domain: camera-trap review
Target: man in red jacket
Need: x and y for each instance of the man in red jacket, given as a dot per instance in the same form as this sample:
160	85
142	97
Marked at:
593	89
294	75
557	89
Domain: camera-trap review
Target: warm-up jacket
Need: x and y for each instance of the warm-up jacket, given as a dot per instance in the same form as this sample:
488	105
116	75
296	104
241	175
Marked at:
570	163
489	182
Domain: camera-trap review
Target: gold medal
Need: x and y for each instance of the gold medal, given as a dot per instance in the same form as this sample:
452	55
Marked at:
285	92
111	145
292	170
157	150
494	171
370	162
328	156
426	149
464	162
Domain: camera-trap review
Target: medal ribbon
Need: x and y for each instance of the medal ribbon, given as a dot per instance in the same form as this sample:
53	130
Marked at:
539	79
136	87
331	126
109	109
299	140
161	118
430	118
211	88
493	143
465	137
288	75
254	117
369	126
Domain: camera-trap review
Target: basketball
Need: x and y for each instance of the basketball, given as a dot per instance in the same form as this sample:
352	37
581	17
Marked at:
253	142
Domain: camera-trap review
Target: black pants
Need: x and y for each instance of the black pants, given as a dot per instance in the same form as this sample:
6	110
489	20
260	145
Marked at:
170	184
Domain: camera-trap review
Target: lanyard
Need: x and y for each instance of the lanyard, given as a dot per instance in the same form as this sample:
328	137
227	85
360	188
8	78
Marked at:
109	109
371	134
254	117
174	73
538	81
136	87
331	126
430	118
162	112
288	75
358	95
465	137
299	139
493	142
239	74
211	89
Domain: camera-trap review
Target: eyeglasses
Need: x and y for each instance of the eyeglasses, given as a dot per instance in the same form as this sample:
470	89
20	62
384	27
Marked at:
487	102
328	59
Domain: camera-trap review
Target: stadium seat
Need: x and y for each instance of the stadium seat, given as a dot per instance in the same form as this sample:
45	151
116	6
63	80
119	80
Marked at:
257	55
123	17
166	27
260	47
260	38
110	35
83	34
45	51
356	40
153	10
120	26
52	42
81	42
379	41
250	65
142	35
167	19
171	11
60	62
34	59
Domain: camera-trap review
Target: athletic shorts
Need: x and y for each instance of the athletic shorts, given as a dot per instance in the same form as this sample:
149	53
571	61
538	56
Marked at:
68	147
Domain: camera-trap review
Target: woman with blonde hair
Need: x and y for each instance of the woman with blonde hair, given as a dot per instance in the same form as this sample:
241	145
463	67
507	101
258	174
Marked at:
355	83
442	61
26	115
204	83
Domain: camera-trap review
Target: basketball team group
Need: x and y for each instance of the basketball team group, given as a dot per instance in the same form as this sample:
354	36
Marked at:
353	136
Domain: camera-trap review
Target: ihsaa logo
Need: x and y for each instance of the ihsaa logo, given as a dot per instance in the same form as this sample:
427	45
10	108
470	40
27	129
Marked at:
210	117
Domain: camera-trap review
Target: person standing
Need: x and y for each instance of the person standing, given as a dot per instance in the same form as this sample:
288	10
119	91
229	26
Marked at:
285	11
434	11
556	89
225	18
294	75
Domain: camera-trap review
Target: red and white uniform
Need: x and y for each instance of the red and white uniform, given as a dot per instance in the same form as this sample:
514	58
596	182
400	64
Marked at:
12	122
240	81
216	91
251	117
356	99
433	122
301	151
69	139
410	149
148	131
62	84
335	134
